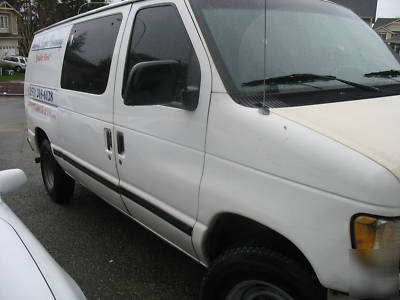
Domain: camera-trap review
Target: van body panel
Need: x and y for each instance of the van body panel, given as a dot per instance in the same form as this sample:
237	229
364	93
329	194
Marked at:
41	115
162	227
46	57
292	180
283	148
346	122
84	118
317	222
303	172
42	80
171	151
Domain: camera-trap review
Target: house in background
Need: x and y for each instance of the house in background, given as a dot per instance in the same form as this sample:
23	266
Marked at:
365	9
9	35
389	31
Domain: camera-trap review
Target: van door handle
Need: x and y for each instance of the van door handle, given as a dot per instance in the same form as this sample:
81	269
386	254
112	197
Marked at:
108	135
120	143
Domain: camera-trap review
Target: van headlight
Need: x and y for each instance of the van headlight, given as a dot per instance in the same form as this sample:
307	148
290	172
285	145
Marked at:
376	254
374	233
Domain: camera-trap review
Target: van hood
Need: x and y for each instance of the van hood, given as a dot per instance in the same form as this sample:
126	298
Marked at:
370	127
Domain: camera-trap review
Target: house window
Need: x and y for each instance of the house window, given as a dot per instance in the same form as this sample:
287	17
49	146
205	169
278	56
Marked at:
382	35
3	22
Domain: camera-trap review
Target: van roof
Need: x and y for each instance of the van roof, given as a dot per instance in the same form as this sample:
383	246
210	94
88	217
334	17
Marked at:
91	12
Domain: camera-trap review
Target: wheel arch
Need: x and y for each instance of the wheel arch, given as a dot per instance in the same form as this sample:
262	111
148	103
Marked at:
40	136
229	230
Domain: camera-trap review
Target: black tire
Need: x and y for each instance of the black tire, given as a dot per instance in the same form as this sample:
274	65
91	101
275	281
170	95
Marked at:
258	273
58	184
18	69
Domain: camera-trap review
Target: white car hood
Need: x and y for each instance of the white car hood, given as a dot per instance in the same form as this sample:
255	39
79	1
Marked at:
25	251
370	127
20	278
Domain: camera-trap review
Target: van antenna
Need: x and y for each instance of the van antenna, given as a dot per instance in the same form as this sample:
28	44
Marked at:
264	108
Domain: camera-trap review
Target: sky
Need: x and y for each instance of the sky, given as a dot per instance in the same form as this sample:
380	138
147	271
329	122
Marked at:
388	9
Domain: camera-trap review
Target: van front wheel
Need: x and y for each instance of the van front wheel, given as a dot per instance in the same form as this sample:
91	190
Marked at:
246	273
58	184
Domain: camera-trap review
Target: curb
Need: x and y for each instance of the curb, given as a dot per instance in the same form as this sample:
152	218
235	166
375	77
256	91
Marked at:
12	83
11	95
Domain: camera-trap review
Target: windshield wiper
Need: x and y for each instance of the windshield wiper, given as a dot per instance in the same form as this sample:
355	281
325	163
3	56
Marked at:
387	73
304	78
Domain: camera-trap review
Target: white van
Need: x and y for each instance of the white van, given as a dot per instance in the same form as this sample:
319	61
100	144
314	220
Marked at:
260	137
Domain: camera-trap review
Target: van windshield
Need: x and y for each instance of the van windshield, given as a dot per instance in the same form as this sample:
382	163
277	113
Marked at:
279	51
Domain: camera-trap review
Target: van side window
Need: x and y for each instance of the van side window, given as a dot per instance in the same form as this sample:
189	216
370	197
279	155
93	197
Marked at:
159	34
89	54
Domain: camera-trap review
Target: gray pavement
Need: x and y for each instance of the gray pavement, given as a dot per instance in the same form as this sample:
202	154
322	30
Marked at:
108	255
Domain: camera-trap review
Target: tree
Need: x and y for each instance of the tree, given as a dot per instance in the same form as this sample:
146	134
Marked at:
28	23
38	14
69	8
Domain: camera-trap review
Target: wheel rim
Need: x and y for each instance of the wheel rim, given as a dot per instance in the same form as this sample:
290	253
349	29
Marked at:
257	290
48	172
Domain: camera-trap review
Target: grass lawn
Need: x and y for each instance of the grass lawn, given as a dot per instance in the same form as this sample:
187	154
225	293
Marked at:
15	77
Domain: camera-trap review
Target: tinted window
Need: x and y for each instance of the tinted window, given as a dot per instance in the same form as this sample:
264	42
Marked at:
89	54
155	39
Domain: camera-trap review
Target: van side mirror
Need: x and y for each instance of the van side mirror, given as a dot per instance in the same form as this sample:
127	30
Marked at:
152	83
156	83
11	180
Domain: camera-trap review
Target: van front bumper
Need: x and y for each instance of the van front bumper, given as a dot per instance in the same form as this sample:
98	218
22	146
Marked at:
336	295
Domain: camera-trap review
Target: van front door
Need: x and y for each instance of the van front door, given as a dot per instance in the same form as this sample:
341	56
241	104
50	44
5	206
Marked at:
161	146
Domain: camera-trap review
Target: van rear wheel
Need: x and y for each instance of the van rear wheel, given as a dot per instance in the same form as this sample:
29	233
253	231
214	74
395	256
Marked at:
58	184
247	273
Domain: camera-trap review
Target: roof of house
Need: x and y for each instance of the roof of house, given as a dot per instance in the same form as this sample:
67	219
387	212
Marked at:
394	40
5	5
363	8
381	22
